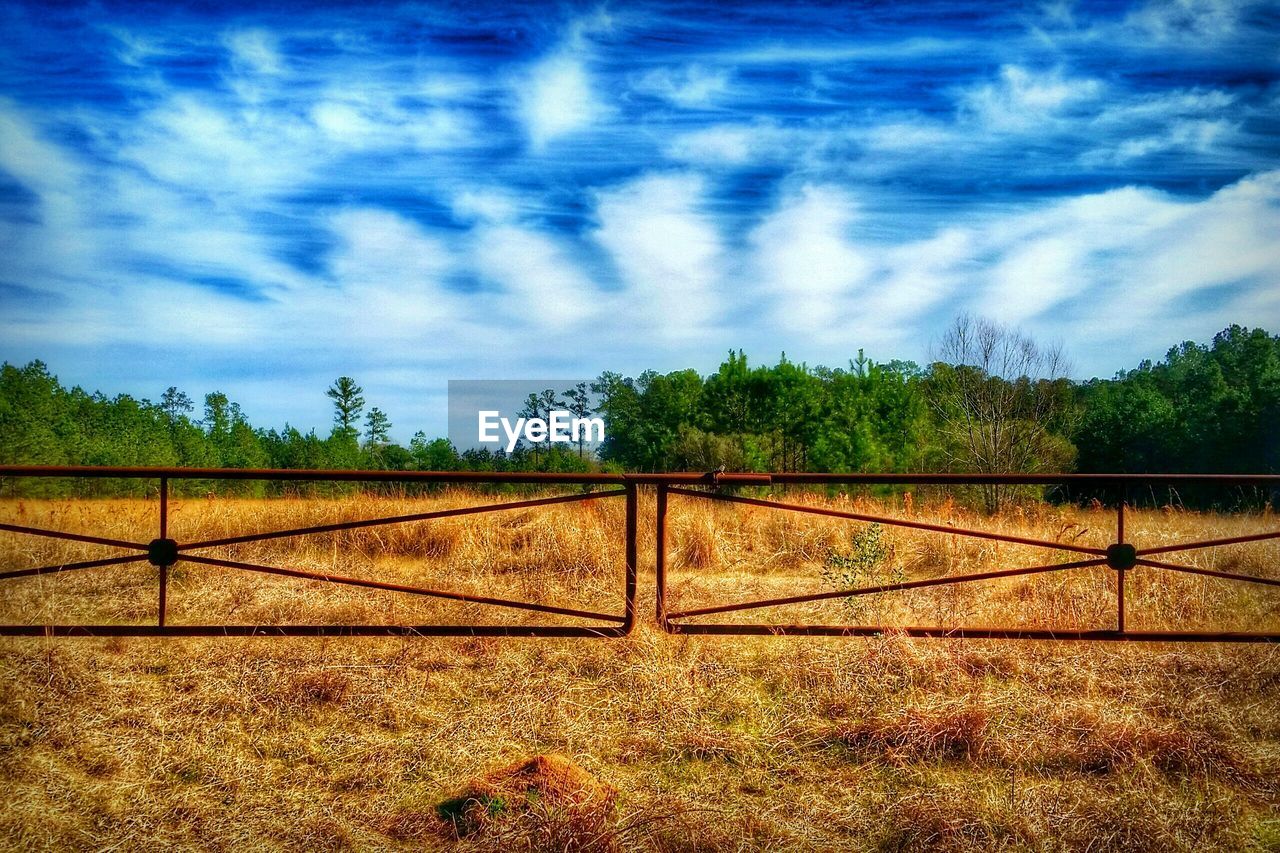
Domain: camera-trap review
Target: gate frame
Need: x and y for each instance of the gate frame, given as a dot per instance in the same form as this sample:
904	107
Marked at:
163	552
1121	556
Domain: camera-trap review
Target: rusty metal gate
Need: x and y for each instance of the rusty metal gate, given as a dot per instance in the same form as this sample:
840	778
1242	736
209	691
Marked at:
163	552
1121	556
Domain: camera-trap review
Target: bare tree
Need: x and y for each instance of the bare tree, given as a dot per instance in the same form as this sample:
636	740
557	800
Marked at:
1003	402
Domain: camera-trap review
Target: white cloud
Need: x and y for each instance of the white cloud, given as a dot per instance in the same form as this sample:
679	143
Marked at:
380	249
135	50
199	145
1034	276
557	99
1192	21
728	145
808	266
39	165
905	136
1194	121
1106	270
1110	264
1197	136
1232	236
255	50
540	280
667	251
845	52
689	87
342	121
491	204
1022	99
443	86
721	145
435	129
920	274
369	118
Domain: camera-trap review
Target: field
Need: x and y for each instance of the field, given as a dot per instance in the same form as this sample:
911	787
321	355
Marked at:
651	742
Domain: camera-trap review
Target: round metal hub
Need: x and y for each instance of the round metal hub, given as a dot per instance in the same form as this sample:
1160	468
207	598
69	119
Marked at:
162	552
1122	556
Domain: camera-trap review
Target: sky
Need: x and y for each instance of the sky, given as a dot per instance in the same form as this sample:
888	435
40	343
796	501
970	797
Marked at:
259	198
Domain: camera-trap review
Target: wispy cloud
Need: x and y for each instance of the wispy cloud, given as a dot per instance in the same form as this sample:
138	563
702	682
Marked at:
558	98
691	86
260	201
1024	101
807	264
668	253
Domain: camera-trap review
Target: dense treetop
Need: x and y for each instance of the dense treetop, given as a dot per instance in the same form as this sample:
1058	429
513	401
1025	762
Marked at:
1204	407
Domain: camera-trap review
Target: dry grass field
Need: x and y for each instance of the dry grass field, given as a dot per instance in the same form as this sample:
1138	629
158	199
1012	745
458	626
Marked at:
651	742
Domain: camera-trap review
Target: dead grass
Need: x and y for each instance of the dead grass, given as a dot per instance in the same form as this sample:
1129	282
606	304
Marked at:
687	743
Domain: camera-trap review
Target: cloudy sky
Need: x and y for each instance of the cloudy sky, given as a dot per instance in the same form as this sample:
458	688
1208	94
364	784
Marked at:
257	200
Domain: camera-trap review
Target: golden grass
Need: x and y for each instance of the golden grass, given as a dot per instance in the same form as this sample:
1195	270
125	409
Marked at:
701	743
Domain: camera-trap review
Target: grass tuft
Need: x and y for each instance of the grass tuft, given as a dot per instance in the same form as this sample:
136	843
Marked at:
678	743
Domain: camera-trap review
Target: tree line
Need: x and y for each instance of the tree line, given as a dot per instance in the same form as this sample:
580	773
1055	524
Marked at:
992	400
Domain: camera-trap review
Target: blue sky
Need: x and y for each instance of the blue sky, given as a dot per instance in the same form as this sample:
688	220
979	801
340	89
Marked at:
257	199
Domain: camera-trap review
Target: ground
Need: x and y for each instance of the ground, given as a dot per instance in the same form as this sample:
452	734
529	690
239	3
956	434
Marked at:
702	743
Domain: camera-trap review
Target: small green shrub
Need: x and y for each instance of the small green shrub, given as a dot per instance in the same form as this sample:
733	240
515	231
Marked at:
868	561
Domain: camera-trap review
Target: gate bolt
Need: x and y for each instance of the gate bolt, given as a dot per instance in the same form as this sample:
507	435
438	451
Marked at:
1122	556
162	552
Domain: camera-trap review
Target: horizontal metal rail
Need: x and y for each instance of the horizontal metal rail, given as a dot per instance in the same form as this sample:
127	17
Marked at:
728	478
310	631
164	553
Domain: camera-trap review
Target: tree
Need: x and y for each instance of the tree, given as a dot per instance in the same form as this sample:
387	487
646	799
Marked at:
577	400
1204	408
1002	401
550	403
377	435
540	406
35	423
790	400
217	415
377	427
175	404
348	403
667	402
532	410
728	400
438	454
873	417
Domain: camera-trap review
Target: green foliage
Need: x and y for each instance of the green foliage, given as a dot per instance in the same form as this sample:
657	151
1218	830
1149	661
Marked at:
1204	408
348	403
377	427
433	455
788	417
577	401
868	561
